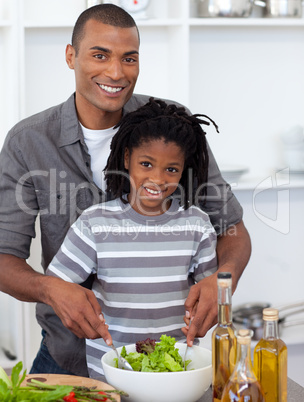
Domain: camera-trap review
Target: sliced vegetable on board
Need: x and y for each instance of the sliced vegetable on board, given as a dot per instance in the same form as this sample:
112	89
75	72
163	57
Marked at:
11	390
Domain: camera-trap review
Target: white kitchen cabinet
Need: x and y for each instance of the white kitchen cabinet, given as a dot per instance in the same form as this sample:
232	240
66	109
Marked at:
246	74
9	66
11	330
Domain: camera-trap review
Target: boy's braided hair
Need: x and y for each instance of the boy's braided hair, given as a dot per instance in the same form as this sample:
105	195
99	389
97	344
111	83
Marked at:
154	121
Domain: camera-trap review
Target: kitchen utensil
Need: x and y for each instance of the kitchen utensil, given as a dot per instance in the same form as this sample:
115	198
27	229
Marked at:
179	386
122	362
282	8
250	315
9	354
136	8
186	350
224	8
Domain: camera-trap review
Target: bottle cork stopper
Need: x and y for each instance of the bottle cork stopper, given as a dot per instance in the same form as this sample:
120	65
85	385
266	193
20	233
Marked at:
224	275
270	314
224	279
244	336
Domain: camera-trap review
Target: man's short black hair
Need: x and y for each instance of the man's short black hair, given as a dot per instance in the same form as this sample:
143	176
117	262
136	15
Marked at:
105	13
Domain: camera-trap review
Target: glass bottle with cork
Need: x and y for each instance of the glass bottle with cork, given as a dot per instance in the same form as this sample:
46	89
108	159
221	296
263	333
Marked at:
243	386
270	359
223	337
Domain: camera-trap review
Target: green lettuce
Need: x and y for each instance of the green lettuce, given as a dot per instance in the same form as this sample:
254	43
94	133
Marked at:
164	358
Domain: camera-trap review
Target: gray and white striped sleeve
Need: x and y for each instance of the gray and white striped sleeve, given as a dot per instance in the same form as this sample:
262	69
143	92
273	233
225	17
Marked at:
76	259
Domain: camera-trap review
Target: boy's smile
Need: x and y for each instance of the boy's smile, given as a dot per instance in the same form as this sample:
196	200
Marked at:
155	169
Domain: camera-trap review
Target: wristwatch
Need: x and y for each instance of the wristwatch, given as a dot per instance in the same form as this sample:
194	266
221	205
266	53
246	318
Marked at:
136	8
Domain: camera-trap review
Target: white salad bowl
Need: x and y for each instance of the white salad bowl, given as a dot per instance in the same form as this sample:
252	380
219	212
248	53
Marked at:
180	386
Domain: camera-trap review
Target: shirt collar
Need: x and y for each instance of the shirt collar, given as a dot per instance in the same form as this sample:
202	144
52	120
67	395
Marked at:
71	131
70	128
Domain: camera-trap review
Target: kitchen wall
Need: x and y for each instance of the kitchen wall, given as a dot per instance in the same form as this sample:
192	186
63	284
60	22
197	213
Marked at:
251	81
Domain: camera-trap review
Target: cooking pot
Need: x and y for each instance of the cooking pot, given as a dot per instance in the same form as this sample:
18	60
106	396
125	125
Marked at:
224	8
282	8
250	315
243	8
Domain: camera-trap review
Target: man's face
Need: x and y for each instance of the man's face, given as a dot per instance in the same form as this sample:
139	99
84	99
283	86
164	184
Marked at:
106	70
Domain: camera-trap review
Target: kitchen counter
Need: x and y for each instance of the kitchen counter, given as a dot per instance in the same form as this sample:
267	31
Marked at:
295	393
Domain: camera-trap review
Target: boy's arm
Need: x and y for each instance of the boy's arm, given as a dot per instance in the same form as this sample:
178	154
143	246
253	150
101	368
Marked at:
233	252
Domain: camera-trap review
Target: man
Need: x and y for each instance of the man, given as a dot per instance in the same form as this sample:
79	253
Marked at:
51	165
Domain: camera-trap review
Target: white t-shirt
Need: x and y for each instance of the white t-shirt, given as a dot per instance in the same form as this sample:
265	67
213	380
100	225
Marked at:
98	143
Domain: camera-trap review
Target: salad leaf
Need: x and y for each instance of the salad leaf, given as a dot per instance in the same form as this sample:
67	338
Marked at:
4	377
134	358
146	346
164	358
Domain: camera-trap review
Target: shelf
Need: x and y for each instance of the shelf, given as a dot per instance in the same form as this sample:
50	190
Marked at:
252	185
247	22
70	24
192	22
278	180
157	22
48	25
5	23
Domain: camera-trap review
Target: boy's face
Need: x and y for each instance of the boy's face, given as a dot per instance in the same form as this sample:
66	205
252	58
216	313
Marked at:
155	169
106	70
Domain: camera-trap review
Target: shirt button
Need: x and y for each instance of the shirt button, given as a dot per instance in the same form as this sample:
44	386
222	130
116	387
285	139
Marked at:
59	196
87	164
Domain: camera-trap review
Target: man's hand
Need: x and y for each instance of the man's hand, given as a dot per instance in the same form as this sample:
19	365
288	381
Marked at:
77	308
233	253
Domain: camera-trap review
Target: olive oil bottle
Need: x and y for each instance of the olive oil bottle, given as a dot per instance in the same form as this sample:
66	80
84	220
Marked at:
270	359
223	338
243	385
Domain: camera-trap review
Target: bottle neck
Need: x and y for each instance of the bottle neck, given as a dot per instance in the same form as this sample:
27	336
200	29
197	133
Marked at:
224	305
243	367
271	330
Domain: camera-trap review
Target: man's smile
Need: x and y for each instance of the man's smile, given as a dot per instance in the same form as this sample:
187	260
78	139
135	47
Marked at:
109	89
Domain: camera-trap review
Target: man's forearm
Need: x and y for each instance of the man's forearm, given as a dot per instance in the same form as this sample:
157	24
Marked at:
76	306
233	251
19	280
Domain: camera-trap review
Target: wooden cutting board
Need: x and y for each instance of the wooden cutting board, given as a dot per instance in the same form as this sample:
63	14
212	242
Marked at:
59	379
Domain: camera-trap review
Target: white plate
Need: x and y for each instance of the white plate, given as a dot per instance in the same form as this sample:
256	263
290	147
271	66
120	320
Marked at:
233	173
233	168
